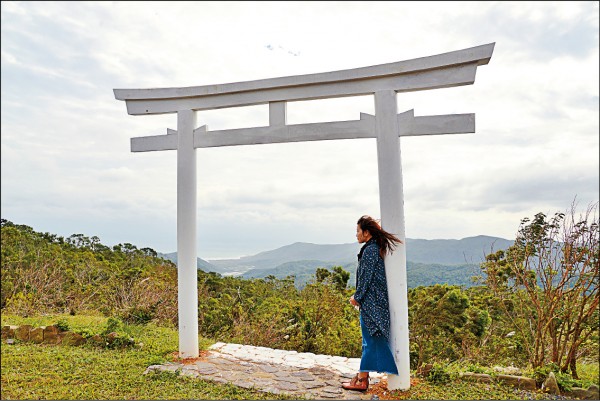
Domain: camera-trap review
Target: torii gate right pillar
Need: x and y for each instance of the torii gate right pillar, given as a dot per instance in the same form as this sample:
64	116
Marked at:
391	203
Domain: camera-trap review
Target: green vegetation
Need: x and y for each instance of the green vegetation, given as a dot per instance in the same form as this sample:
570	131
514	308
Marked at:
546	286
35	371
535	307
417	274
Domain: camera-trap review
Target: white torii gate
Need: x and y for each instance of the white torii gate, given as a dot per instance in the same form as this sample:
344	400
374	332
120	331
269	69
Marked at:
383	81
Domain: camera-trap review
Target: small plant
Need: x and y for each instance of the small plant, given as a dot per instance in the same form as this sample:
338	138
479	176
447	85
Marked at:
118	341
541	373
475	368
439	375
86	332
112	325
139	315
565	381
62	325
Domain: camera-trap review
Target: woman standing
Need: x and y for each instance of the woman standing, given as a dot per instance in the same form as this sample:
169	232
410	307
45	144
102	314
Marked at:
371	297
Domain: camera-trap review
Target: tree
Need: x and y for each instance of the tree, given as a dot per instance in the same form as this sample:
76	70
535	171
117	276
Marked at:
436	316
548	285
338	277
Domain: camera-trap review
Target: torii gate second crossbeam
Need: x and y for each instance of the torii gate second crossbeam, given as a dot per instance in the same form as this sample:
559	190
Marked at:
383	81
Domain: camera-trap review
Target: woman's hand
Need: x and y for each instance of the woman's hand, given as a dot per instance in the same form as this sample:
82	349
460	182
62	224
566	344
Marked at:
353	301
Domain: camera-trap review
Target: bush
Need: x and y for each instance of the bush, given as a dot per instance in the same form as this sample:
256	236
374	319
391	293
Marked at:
62	325
475	368
118	341
112	325
139	315
439	375
566	382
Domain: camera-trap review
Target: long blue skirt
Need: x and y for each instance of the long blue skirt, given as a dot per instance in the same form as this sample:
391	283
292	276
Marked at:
376	353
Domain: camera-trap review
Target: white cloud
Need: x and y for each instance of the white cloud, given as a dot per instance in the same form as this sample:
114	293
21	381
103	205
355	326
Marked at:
67	165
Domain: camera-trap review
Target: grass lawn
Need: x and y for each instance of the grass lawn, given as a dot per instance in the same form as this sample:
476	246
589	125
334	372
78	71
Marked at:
39	371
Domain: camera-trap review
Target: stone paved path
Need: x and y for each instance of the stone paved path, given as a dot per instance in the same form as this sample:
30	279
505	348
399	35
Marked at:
303	375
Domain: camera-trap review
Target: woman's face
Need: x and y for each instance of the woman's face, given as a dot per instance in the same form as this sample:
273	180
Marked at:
362	236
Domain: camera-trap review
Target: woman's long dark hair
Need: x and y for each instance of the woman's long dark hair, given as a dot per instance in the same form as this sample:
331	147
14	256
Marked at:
386	241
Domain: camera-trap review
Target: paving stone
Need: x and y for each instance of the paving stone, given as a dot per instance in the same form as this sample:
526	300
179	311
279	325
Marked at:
331	389
302	375
318	370
330	392
313	384
273	390
304	365
288	379
262	383
189	372
207	370
348	395
243	383
237	367
222	360
269	368
152	368
285	386
264	375
204	365
219	380
230	375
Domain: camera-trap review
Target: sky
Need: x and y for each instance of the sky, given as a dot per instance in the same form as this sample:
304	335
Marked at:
67	167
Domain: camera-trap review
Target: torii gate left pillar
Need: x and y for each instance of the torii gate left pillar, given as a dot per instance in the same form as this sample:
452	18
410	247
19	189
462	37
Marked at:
383	81
187	273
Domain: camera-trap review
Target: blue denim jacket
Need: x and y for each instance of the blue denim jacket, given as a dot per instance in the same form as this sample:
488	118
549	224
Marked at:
371	290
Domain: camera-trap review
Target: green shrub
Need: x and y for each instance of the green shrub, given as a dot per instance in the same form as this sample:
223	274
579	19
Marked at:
566	382
118	341
113	324
62	324
439	375
139	315
86	332
475	368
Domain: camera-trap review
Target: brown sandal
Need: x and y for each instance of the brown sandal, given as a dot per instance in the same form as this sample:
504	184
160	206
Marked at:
357	384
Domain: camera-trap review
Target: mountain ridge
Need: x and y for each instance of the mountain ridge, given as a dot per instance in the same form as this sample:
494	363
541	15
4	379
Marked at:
445	252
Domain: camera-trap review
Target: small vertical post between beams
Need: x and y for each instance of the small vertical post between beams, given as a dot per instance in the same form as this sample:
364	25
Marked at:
277	113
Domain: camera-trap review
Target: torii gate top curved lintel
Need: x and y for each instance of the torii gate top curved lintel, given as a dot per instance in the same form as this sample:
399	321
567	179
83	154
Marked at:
439	71
383	81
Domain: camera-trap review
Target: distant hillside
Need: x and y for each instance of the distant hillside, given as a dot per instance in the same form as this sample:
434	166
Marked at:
428	261
471	250
299	251
201	263
302	270
418	274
